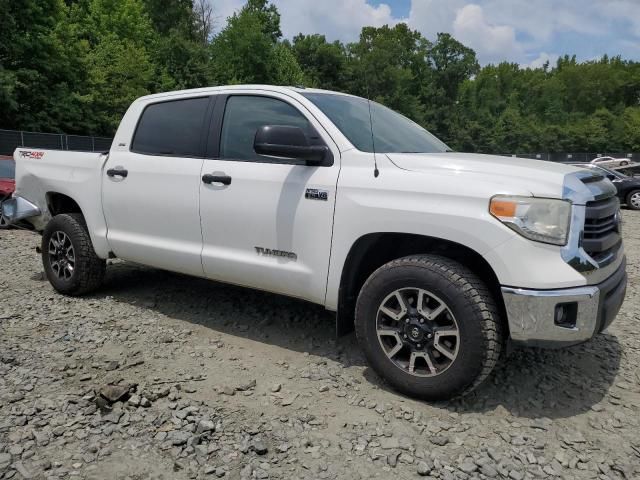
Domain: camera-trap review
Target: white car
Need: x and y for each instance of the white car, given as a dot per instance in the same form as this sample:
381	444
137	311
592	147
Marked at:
436	258
611	161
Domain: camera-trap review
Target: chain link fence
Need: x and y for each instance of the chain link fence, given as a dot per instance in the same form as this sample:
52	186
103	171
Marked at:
12	139
575	157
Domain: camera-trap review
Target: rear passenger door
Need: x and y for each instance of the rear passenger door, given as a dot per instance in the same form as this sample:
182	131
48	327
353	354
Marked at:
267	222
151	186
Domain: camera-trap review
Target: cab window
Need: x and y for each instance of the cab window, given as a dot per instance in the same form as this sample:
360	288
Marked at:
244	114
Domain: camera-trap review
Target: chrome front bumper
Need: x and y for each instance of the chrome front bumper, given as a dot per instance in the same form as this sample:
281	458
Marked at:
534	317
15	209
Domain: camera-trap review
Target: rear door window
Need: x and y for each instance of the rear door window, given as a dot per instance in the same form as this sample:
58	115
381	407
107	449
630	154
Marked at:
172	128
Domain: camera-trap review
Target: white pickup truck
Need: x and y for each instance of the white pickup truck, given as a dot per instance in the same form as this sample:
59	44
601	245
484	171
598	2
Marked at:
437	258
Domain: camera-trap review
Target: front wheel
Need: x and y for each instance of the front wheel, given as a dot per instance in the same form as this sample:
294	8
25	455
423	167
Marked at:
70	262
429	327
633	200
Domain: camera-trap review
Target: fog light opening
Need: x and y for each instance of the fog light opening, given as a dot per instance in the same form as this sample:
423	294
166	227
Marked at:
566	315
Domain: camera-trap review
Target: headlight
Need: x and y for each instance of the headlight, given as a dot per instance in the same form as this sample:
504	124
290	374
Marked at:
540	219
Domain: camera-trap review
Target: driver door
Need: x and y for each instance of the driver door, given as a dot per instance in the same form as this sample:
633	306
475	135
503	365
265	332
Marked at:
261	225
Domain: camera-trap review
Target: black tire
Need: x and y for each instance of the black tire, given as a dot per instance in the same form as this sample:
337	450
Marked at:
624	163
633	200
481	334
88	269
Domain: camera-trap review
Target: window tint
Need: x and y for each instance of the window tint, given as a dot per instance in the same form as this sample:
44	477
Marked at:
245	114
171	128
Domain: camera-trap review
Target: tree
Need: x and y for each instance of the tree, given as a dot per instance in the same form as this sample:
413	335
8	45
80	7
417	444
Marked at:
171	15
324	64
78	67
119	65
40	67
451	64
204	20
247	50
389	65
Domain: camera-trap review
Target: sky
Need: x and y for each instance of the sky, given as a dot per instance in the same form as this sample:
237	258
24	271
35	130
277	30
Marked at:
528	32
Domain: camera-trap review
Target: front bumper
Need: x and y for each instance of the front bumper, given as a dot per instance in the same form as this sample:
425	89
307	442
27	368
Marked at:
533	314
17	208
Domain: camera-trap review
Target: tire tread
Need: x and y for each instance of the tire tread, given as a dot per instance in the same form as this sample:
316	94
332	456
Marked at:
93	268
493	331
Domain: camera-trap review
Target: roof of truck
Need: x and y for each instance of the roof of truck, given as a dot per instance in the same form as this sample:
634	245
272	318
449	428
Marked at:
271	88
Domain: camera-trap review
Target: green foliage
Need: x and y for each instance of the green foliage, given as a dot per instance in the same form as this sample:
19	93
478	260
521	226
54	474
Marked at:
78	67
39	66
324	64
247	50
388	65
169	16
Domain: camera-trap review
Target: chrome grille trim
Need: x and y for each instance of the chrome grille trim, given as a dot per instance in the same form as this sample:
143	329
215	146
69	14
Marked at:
594	220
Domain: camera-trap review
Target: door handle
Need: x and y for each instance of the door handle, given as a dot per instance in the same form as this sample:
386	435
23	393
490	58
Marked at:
223	179
117	172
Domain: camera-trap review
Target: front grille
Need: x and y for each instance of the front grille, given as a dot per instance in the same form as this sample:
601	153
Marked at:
601	238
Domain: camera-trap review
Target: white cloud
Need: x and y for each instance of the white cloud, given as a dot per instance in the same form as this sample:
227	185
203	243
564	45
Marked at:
541	19
624	10
337	19
512	30
223	9
492	42
543	58
434	16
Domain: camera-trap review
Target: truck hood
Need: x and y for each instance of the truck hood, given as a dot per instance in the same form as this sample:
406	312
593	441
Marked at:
537	177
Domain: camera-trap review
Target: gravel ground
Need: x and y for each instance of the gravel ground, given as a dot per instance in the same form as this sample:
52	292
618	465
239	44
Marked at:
164	376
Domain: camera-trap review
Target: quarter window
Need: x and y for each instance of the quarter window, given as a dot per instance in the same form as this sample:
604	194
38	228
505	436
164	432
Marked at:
245	114
171	128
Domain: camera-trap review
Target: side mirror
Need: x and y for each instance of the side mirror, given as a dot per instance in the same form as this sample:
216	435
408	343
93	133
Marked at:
288	142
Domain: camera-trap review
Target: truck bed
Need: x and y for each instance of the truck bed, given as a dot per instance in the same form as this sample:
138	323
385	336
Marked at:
42	174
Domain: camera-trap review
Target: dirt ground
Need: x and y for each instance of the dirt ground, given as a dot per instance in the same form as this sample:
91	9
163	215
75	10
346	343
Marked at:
223	382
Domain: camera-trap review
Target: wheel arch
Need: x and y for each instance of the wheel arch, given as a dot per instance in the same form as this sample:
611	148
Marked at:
59	203
373	250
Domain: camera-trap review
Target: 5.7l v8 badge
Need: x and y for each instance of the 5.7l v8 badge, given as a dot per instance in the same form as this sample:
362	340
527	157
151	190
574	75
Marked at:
315	194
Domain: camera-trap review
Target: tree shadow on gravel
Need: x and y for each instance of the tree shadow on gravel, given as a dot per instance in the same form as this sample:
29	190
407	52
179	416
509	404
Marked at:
538	383
535	383
260	316
531	383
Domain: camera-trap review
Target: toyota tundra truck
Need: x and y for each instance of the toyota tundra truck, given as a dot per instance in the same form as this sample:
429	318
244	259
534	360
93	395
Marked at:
438	260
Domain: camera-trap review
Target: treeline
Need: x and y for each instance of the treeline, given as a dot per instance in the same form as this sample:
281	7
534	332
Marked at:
74	66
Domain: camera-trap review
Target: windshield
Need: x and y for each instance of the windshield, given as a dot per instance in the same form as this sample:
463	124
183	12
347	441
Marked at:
392	132
7	169
605	170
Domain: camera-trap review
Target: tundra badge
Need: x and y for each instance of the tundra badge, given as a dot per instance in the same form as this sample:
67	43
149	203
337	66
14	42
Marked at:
276	253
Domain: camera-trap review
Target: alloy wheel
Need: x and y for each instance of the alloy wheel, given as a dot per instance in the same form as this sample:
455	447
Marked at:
418	332
62	257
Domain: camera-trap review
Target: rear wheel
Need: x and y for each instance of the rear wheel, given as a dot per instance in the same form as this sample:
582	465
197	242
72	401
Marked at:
429	326
633	200
70	262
